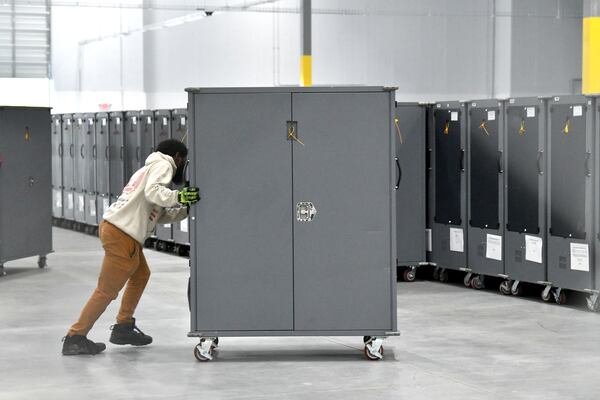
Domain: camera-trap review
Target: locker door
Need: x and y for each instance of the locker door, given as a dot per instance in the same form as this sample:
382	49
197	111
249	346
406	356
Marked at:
242	241
180	132
342	258
132	143
102	155
162	131
56	152
147	145
27	208
89	153
117	155
78	154
410	196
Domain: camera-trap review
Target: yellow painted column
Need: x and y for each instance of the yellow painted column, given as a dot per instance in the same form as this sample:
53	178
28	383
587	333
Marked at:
306	70
591	48
306	57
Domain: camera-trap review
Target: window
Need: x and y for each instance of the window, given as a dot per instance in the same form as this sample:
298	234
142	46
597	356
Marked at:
24	39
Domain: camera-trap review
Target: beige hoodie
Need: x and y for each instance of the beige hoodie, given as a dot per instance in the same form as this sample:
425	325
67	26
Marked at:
146	200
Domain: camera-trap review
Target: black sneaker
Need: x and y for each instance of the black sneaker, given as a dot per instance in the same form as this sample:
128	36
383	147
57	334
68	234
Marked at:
79	344
129	334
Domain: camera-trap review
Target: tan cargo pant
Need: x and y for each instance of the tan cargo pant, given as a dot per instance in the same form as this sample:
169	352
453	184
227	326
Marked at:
124	263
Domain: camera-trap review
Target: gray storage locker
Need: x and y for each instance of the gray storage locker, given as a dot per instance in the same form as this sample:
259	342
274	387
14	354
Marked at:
570	190
57	156
162	131
139	140
26	169
409	125
594	301
485	191
101	156
179	131
448	188
68	168
117	154
296	226
80	167
525	194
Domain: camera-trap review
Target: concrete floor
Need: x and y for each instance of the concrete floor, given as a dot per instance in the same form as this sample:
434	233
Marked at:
456	344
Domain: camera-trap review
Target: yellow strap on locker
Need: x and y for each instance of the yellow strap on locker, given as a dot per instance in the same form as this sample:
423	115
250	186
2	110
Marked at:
522	129
396	121
292	135
447	128
567	126
484	128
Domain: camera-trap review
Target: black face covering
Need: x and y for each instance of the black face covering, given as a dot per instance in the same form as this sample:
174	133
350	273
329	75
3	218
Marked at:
178	177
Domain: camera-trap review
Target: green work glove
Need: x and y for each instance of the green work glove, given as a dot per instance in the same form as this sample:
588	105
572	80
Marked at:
188	195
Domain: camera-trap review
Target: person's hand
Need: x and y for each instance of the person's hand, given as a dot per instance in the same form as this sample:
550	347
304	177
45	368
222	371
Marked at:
188	195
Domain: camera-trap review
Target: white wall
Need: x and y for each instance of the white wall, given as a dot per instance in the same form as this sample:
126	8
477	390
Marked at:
430	49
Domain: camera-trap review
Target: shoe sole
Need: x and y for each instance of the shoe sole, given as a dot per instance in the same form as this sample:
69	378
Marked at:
80	353
123	343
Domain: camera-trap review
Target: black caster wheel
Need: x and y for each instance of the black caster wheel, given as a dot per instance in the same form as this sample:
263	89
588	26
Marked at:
516	291
409	275
593	303
546	295
181	251
505	288
561	299
42	262
467	280
215	342
371	356
199	356
443	276
436	274
477	283
159	246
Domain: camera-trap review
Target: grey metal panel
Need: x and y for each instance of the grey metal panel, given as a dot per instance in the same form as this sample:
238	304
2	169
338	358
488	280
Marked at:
93	128
179	131
139	139
162	131
102	154
241	230
440	253
532	114
578	164
57	156
344	258
25	168
117	154
410	120
294	89
68	163
485	183
361	332
80	167
597	196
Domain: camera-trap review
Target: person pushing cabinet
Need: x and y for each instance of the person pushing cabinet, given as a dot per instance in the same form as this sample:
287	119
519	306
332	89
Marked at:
144	202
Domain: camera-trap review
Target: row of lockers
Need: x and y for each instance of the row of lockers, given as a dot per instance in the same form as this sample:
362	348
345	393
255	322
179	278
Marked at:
94	154
512	190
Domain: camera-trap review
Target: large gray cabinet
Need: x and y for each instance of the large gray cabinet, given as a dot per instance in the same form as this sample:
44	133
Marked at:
570	188
525	194
295	232
485	183
25	169
409	126
448	186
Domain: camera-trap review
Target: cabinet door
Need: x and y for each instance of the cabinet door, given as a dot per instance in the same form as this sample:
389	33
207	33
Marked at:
26	220
410	196
117	154
343	257
241	230
102	155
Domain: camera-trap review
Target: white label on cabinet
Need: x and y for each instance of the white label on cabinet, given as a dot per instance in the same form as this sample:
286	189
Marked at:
58	200
454	116
491	115
164	121
81	203
70	201
580	257
577	111
105	204
134	120
530	112
457	242
533	248
149	120
166	225
183	225
493	248
183	121
429	240
93	207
